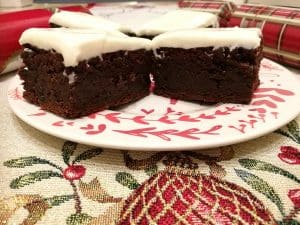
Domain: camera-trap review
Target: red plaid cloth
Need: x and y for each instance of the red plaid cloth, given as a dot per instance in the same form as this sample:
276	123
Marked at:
280	28
222	9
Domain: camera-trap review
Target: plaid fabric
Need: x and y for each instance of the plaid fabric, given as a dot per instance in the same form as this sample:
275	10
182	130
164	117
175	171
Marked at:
222	9
280	28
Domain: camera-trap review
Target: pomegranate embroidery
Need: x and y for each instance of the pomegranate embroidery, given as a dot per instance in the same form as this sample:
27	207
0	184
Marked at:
180	194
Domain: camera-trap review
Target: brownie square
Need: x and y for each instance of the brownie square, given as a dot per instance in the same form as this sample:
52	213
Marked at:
200	72
76	72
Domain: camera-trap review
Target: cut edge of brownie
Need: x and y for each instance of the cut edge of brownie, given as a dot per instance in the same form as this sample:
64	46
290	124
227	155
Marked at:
206	75
96	84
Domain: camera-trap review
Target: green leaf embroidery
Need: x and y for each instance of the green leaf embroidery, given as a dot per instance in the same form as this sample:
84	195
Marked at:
289	222
28	161
293	128
262	187
293	131
88	154
127	180
68	150
286	134
253	164
31	178
79	219
57	200
150	171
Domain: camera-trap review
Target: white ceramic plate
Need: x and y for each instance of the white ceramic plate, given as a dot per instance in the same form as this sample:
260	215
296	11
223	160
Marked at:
157	123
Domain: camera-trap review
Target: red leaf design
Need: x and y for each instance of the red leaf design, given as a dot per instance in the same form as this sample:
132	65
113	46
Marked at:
250	122
219	112
147	111
275	114
294	195
259	110
87	127
113	117
208	117
273	97
162	134
188	133
92	116
70	123
58	123
165	119
211	130
38	114
101	128
290	155
14	94
187	118
232	109
241	128
137	132
278	90
92	132
140	120
170	110
265	102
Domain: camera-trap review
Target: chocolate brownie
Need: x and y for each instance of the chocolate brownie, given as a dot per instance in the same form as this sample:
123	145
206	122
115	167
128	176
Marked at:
74	73
208	65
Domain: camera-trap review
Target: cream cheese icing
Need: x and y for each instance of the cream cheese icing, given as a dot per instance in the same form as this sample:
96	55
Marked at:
82	20
177	20
76	45
248	38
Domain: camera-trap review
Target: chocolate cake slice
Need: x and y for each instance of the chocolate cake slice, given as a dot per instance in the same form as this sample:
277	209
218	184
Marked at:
208	65
180	19
74	73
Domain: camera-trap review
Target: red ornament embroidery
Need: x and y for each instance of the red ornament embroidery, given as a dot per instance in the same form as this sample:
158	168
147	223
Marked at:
290	155
294	195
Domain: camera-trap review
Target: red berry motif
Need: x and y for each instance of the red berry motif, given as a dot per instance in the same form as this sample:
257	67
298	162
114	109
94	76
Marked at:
74	172
180	196
289	155
294	195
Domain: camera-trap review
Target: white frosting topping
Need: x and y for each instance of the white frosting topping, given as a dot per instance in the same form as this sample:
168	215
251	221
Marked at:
76	45
248	38
177	20
82	20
